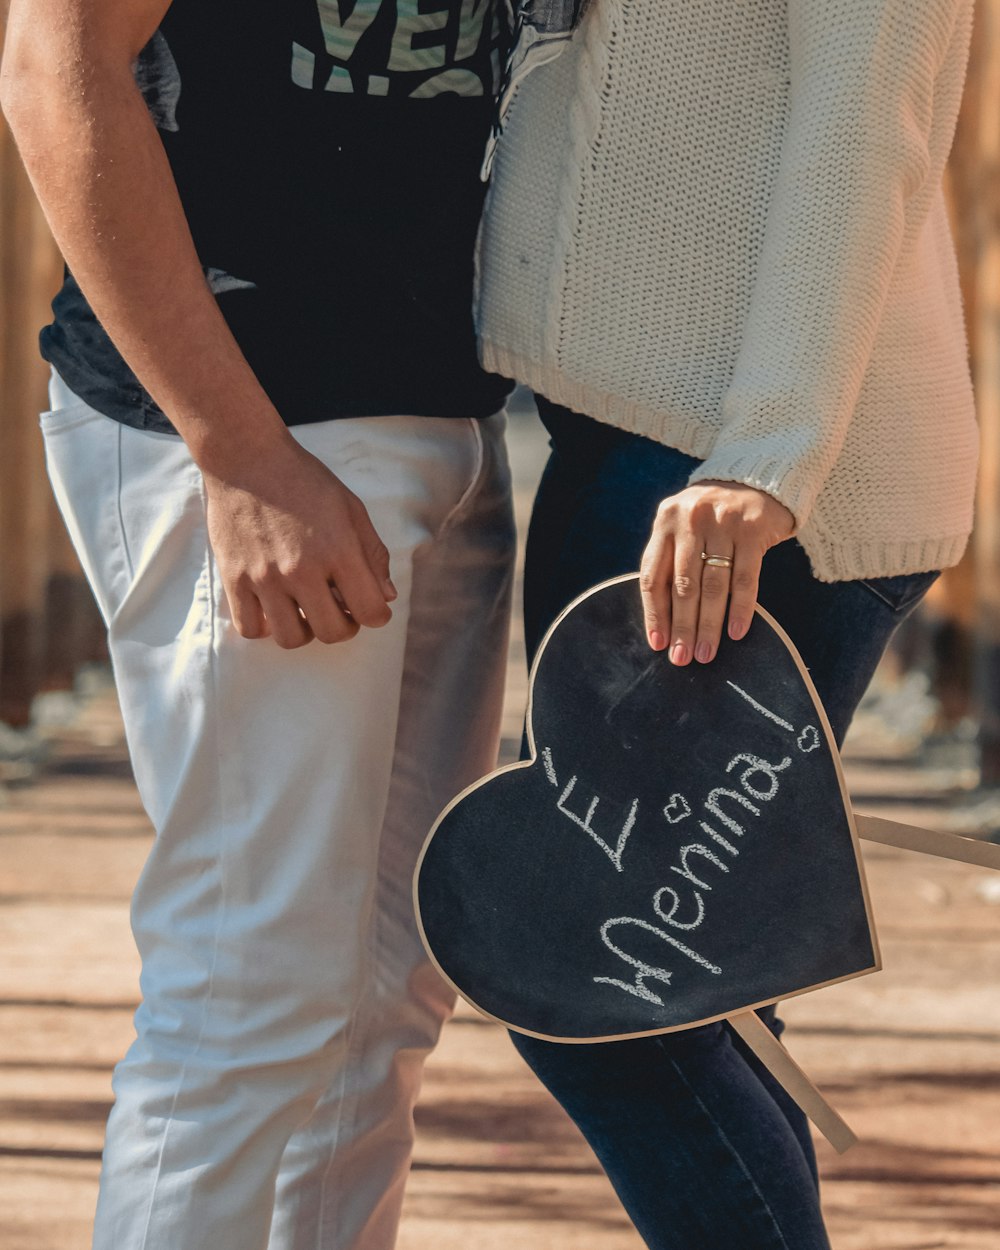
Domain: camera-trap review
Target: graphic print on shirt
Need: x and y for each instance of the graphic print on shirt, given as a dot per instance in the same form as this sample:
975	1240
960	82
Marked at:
412	49
158	79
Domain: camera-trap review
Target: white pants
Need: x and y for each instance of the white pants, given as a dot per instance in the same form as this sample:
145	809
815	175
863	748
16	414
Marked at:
287	1004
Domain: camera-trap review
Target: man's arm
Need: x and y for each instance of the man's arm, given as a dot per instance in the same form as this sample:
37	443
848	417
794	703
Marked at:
283	528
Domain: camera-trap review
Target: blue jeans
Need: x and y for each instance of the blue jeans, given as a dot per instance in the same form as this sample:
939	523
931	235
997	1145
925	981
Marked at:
704	1148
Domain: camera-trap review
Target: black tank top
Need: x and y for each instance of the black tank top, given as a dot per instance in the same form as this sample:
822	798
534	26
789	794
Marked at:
327	156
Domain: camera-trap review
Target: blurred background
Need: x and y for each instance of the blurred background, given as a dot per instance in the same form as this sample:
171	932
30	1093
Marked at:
912	1057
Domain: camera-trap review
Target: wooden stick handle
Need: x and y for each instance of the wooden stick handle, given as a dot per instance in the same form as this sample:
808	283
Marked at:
785	1070
928	841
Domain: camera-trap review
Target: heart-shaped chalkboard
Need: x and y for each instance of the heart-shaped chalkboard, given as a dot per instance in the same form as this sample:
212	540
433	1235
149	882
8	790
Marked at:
680	847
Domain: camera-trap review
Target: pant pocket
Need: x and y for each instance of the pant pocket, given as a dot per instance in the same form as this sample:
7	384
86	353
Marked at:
62	420
903	592
82	456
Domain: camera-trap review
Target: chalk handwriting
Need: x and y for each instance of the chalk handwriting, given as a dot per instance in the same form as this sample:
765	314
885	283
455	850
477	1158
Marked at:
808	739
713	807
724	806
757	765
696	848
677	809
668	917
550	768
645	971
614	853
778	720
716	836
759	779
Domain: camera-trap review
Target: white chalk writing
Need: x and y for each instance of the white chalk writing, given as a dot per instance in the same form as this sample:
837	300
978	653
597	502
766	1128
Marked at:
614	853
712	806
669	916
645	971
696	848
808	739
716	836
778	720
677	809
757	765
757	773
724	808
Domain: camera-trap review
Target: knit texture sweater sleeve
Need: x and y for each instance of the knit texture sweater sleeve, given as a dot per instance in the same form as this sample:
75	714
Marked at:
858	157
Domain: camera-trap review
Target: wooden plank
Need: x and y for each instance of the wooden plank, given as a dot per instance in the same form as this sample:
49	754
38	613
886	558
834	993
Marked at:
928	841
75	633
785	1070
29	274
978	164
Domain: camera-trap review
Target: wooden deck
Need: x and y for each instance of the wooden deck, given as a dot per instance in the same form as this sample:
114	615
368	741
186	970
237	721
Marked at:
910	1056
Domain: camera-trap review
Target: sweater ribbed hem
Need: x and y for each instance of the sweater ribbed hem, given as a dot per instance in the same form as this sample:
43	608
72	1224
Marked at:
689	436
831	559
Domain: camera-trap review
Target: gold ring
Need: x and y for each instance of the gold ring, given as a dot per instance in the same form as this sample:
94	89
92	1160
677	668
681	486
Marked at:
717	562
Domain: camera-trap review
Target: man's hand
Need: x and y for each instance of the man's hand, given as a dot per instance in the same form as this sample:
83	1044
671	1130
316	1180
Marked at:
297	552
684	599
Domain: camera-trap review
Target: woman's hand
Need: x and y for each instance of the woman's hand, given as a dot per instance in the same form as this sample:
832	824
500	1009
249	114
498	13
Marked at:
684	598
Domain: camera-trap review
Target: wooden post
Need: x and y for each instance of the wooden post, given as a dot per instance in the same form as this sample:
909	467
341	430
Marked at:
942	639
982	207
29	274
74	632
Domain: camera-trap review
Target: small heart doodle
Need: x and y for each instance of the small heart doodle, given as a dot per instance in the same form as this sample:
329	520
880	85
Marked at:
808	740
677	809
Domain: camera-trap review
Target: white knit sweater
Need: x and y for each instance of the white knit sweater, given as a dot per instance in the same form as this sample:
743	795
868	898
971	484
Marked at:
720	224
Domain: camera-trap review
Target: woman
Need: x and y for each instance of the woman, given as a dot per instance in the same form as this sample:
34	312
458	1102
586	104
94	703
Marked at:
717	249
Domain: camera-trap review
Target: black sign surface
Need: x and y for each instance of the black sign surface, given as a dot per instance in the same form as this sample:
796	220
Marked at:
680	848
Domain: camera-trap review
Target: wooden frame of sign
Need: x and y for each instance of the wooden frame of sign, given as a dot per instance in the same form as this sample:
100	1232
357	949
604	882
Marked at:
455	872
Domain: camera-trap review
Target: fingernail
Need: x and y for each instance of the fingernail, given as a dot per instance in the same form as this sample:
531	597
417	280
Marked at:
389	590
737	629
703	652
679	653
657	641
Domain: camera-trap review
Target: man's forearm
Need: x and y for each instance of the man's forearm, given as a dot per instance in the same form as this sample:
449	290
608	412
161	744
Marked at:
101	174
282	526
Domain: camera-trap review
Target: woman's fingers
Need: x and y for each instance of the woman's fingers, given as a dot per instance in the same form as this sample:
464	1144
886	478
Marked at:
715	584
685	596
704	555
743	590
654	584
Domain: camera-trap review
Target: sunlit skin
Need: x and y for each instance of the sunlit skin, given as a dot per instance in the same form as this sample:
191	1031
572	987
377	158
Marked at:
284	529
684	599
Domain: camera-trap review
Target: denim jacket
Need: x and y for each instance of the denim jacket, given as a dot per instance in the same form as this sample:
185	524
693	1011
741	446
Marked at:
539	32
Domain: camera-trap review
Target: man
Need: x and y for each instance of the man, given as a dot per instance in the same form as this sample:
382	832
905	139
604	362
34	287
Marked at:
269	212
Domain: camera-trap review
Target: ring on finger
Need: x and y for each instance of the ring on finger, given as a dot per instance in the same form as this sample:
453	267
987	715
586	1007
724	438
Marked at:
717	562
335	591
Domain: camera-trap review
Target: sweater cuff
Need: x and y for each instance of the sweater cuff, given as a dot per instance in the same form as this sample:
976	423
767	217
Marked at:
774	475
